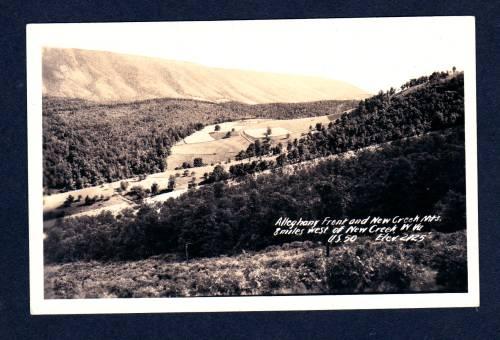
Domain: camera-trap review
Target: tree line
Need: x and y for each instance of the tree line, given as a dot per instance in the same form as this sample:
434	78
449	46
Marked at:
87	144
421	175
384	117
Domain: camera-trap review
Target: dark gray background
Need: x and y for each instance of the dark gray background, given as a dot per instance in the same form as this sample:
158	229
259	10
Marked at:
15	320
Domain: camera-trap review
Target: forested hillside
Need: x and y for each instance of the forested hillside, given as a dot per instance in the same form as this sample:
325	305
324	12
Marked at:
436	102
86	143
414	176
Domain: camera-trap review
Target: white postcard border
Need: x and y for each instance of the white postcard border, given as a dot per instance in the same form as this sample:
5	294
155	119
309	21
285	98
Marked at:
38	305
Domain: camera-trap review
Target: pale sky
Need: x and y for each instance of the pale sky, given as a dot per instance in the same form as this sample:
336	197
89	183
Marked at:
372	54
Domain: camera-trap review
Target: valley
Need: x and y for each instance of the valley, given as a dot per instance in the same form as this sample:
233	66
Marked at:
202	145
193	159
237	136
87	143
225	172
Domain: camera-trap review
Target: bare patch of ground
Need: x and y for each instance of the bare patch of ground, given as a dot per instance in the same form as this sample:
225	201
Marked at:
210	145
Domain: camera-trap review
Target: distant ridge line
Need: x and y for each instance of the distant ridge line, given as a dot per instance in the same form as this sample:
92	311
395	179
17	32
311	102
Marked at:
108	77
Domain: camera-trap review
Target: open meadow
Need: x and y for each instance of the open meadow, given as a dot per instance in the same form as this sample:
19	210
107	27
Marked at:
240	134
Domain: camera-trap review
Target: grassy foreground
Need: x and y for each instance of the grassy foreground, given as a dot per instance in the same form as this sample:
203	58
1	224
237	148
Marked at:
439	263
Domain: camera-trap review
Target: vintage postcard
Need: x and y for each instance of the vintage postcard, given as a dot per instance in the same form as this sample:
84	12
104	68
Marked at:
252	165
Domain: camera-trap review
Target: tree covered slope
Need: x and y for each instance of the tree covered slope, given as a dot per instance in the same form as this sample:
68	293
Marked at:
435	104
87	143
423	175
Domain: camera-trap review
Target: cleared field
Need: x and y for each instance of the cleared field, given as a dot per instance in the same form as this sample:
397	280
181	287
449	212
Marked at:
262	133
202	144
54	202
165	196
109	191
114	201
197	137
205	134
211	152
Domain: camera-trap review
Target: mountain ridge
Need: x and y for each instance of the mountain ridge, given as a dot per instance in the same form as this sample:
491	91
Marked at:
103	76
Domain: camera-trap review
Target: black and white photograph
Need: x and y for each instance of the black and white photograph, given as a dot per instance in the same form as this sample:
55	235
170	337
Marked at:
252	165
